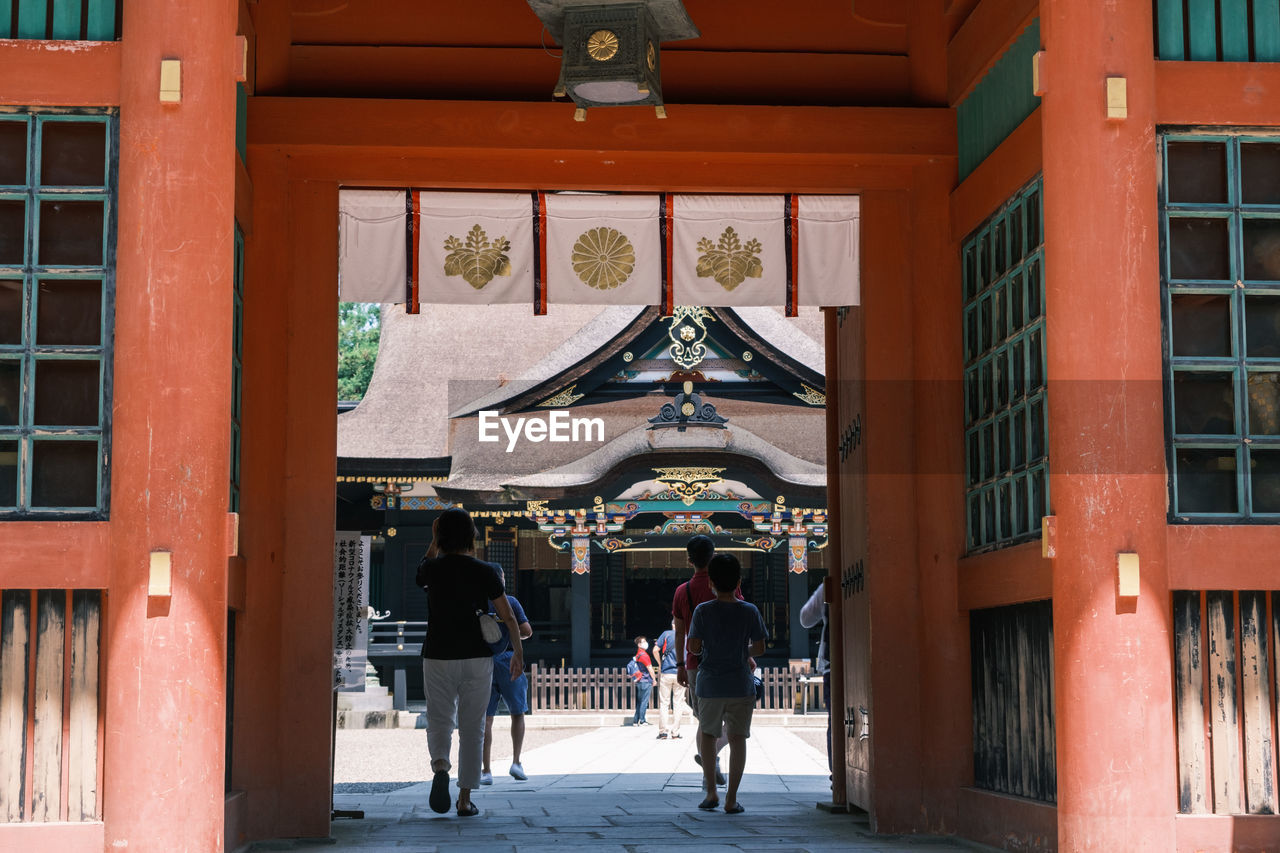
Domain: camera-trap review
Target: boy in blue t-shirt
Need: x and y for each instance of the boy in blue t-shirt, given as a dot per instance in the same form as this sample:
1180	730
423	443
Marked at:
724	632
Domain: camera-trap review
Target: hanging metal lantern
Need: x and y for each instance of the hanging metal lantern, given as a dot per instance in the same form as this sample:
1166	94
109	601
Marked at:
612	51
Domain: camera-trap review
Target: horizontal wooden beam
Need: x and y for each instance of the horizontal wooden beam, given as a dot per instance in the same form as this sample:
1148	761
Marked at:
55	555
59	73
880	134
79	837
1217	93
1223	556
1007	576
983	38
518	73
521	145
1014	162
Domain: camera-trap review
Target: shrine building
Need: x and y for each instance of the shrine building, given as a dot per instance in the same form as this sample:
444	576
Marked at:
971	306
592	532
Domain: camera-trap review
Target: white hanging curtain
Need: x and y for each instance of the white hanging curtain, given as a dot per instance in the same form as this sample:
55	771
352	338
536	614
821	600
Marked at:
729	250
603	249
371	246
475	248
478	248
828	267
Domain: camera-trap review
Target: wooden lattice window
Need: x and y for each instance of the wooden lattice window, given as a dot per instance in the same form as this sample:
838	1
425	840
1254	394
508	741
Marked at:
57	249
1220	228
1006	434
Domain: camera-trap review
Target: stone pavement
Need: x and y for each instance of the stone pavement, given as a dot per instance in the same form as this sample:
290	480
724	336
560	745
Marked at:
619	789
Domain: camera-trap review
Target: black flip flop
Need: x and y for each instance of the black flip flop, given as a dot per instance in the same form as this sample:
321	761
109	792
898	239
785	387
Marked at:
709	804
439	799
736	808
470	811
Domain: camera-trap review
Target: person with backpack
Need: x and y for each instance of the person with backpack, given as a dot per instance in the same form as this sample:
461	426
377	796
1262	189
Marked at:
640	669
671	702
513	693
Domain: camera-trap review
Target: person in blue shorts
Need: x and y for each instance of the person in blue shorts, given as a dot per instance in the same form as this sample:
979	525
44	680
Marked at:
515	694
725	633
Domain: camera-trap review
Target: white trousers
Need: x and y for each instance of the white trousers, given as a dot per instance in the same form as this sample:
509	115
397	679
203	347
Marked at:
670	703
457	696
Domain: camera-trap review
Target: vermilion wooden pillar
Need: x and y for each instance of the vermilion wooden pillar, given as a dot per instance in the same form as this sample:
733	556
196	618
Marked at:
165	696
1117	781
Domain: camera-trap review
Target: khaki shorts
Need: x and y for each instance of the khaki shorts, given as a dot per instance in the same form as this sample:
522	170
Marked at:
690	695
732	712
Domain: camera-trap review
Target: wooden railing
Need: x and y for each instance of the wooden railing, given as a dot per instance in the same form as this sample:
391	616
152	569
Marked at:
610	689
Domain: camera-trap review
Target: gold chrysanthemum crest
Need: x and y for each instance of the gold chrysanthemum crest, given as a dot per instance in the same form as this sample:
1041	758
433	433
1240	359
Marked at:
603	258
730	262
477	259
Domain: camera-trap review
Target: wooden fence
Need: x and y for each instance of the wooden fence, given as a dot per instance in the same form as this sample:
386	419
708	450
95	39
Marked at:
1226	669
50	725
610	689
1013	717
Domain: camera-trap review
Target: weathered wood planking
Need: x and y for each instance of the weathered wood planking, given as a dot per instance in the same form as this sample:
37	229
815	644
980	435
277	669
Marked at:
1255	704
82	737
46	753
1224	718
15	640
1012	678
1048	723
1189	697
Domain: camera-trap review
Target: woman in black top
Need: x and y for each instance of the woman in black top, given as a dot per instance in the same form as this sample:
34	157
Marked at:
457	664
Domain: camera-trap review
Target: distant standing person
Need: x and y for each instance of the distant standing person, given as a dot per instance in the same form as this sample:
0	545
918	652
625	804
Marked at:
670	692
515	694
689	595
457	663
813	612
642	673
726	632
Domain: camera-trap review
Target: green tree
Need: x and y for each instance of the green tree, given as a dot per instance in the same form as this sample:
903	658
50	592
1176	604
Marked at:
359	327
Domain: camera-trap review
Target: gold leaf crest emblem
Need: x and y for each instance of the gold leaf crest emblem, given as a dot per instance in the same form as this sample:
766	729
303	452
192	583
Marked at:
477	259
603	258
730	262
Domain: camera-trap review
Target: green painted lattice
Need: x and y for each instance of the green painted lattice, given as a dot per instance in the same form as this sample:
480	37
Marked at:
57	251
999	103
1218	30
72	20
1006	432
1220	268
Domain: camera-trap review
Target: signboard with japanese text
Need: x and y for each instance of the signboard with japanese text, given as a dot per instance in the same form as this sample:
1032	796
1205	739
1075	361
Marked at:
350	607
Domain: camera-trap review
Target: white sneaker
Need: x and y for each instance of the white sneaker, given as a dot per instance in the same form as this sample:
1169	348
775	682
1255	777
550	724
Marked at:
486	778
518	771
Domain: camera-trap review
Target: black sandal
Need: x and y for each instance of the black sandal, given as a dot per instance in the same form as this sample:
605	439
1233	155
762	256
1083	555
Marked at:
439	799
470	811
736	808
709	804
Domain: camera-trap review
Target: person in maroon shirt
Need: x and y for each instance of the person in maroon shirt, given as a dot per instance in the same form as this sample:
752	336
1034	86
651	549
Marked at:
688	596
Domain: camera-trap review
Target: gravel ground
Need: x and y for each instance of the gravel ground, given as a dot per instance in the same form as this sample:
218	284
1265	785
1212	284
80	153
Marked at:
381	760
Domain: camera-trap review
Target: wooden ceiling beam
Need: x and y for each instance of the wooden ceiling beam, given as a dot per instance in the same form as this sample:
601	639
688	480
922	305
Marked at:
513	73
986	34
883	134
